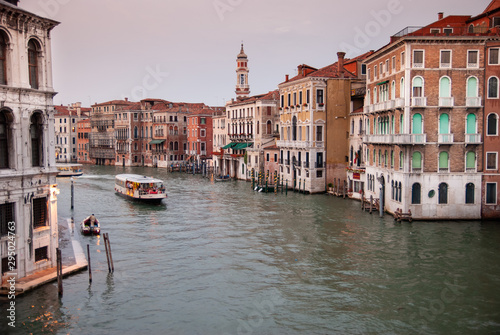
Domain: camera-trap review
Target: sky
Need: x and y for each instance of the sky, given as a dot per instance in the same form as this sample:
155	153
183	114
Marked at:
185	51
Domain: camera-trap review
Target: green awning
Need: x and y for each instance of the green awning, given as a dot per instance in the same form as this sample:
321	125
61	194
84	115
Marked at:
230	145
156	141
240	146
383	82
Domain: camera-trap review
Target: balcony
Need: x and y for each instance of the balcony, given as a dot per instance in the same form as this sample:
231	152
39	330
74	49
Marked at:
445	138
320	165
400	139
470	170
444	170
419	102
473	102
368	109
416	169
446	102
473	139
399	103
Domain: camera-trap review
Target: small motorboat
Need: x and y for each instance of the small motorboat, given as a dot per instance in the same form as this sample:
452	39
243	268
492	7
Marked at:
90	226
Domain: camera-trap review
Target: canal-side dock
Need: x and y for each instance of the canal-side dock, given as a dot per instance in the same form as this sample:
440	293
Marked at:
73	261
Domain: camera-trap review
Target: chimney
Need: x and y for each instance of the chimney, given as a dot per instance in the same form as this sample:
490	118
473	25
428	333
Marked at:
440	15
341	56
286	78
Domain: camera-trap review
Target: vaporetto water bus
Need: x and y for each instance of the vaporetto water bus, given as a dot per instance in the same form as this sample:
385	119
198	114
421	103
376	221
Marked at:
142	188
69	170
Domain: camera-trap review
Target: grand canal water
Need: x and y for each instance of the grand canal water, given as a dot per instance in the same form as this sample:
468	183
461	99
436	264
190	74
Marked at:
223	259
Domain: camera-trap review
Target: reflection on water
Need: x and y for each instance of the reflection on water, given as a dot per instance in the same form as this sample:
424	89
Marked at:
218	258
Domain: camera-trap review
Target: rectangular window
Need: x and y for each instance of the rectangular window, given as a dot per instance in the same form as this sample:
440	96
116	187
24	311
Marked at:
319	96
386	66
491	161
473	58
403	59
435	31
381	69
41	254
300	99
308	93
319	133
6	216
491	193
39	212
203	133
445	61
289	100
369	74
493	57
282	101
418	58
363	69
294	98
394	63
447	31
375	71
267	157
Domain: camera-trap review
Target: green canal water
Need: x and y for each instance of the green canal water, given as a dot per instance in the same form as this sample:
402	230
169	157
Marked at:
219	258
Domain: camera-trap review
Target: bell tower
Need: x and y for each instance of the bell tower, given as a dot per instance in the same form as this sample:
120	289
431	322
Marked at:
242	87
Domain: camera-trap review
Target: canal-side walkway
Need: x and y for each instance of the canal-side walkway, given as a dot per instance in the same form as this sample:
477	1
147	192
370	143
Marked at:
73	259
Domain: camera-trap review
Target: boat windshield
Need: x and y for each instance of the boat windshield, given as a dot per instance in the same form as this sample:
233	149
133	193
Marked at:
146	188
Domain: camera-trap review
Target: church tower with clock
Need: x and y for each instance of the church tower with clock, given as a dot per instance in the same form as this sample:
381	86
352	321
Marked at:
242	87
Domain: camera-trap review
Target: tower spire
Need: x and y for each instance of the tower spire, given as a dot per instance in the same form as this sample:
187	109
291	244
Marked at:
242	86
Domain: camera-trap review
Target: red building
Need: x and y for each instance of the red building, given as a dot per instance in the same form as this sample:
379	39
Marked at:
200	136
83	131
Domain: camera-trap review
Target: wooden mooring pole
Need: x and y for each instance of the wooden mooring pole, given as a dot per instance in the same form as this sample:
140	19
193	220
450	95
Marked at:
59	272
109	257
90	269
72	193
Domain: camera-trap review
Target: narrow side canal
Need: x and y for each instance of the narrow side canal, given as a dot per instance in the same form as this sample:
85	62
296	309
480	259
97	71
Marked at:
219	258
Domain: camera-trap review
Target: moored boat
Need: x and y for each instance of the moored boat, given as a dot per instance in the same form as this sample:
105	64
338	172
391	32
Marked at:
223	178
69	170
142	188
90	226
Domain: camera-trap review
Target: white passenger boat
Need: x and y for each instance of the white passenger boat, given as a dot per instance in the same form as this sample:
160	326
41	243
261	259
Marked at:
69	170
142	188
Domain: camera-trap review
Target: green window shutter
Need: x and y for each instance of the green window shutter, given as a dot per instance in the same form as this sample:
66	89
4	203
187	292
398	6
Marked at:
471	124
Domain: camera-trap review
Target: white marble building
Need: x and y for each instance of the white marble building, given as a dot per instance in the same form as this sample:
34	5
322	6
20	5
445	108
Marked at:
28	193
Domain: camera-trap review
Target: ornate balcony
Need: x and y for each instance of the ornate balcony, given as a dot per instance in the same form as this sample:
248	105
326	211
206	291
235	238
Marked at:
445	138
473	102
446	102
419	102
473	139
399	139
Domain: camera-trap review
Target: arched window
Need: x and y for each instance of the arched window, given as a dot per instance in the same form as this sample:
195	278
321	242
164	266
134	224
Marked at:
176	146
399	192
171	146
401	123
470	161
3	58
471	124
416	161
469	193
418	87
493	88
471	29
401	160
416	191
492	126
33	49
385	158
367	101
444	87
443	161
472	88
4	141
36	135
402	88
417	124
443	193
269	127
444	124
392	190
374	95
393	90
